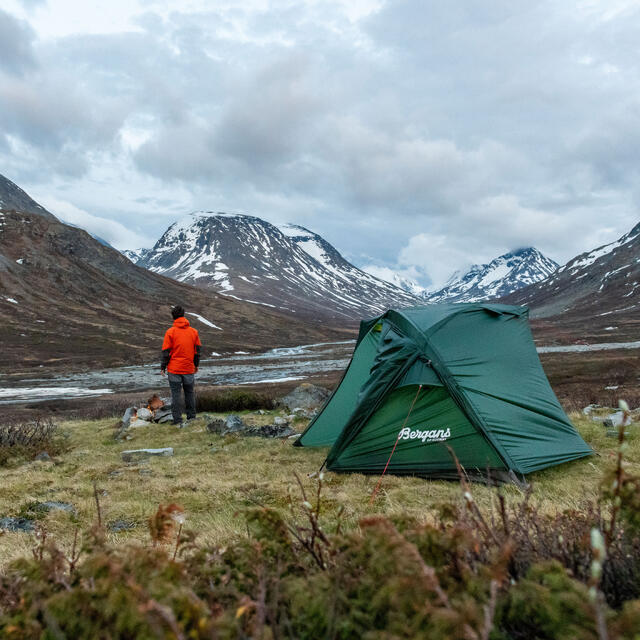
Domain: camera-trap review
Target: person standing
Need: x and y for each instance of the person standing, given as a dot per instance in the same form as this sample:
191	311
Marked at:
180	359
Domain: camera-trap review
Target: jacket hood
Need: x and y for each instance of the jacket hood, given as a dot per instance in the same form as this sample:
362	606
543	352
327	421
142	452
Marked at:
181	323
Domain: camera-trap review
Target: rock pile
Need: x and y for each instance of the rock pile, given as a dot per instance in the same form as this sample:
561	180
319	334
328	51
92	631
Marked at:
157	411
234	424
610	418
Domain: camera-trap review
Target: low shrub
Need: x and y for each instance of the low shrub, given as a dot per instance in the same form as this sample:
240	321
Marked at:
25	440
233	400
506	573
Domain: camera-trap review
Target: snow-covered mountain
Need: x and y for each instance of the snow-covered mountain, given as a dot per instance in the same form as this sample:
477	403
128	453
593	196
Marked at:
286	267
499	278
602	283
135	255
398	278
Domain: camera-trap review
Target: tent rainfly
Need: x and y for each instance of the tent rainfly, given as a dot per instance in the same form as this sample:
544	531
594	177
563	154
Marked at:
460	376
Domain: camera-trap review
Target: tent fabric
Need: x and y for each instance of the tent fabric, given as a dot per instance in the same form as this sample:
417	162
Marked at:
479	369
329	422
418	448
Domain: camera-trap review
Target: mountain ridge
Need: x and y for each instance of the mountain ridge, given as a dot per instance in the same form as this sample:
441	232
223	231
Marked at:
12	197
287	267
500	277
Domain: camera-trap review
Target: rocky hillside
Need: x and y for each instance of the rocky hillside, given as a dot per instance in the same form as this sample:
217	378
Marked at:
13	197
594	294
68	301
288	268
500	277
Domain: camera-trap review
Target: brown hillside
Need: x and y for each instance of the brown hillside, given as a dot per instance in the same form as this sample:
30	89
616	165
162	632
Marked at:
68	301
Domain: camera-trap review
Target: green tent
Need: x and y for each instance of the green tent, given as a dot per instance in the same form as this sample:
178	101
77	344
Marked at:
460	376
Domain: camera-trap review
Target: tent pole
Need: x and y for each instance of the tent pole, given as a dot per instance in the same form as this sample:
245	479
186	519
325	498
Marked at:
386	466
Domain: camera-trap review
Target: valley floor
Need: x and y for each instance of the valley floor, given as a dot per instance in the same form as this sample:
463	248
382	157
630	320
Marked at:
215	478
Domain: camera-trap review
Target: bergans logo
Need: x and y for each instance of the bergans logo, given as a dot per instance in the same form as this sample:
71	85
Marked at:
433	435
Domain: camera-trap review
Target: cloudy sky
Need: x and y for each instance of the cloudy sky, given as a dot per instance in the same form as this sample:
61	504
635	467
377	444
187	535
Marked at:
417	135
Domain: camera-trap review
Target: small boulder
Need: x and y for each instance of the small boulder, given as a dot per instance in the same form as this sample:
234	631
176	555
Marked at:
614	420
116	526
17	524
134	424
144	414
234	423
163	415
133	455
305	396
55	506
43	456
280	422
129	415
216	426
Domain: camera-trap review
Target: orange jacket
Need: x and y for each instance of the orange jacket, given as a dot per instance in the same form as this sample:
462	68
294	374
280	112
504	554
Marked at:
182	344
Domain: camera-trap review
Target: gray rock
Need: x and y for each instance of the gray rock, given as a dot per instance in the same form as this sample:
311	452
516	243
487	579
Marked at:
216	426
271	431
134	424
115	474
43	457
305	396
234	423
614	420
133	455
55	506
116	526
17	524
281	422
144	414
129	414
163	414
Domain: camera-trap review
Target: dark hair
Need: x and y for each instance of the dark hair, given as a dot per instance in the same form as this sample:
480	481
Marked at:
177	312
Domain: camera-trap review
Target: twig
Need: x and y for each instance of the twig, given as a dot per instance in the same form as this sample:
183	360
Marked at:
97	499
175	551
490	610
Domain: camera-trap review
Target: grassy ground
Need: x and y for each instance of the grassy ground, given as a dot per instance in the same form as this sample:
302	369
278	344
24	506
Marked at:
215	478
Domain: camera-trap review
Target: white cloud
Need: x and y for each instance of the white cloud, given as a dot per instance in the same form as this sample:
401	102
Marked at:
427	135
113	232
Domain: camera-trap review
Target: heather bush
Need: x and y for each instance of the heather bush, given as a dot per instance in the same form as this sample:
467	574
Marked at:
25	440
233	400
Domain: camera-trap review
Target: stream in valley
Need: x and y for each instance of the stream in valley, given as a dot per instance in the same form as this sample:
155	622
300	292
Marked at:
275	365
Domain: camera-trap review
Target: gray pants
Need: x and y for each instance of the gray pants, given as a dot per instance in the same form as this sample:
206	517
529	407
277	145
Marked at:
177	382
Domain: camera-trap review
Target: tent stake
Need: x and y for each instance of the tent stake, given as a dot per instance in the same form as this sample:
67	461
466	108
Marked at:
377	488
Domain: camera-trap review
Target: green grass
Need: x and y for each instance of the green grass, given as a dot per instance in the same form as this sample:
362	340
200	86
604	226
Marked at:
215	478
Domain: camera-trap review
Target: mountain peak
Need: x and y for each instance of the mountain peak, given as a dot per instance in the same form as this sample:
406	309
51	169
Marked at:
500	277
13	197
287	267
